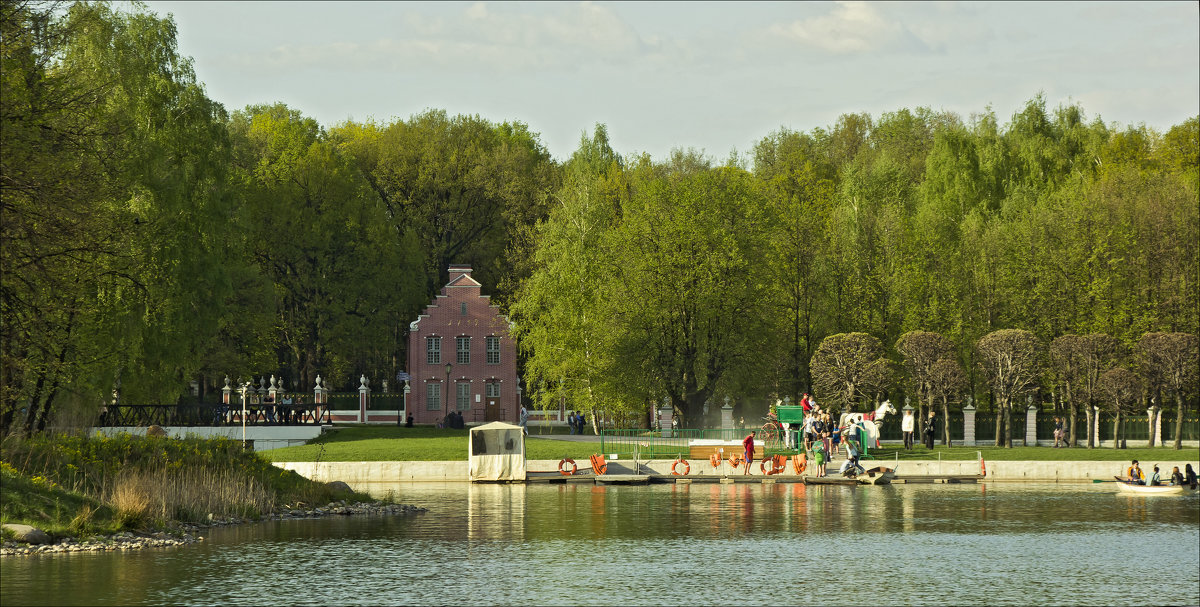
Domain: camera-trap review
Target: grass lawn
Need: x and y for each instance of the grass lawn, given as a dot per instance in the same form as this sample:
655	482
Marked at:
391	443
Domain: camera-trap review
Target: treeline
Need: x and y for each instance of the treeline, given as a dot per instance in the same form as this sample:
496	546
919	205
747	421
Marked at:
151	238
693	282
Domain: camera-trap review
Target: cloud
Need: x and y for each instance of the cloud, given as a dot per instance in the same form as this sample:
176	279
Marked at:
478	38
851	28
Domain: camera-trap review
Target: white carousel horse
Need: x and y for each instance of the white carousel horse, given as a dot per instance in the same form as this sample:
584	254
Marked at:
849	419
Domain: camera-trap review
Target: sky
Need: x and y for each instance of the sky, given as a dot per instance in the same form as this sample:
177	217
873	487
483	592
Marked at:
712	76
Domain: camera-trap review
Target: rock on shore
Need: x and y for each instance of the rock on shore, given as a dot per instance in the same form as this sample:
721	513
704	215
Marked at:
30	540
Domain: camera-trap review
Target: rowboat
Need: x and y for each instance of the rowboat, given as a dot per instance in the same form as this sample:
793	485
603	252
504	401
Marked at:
1127	487
878	475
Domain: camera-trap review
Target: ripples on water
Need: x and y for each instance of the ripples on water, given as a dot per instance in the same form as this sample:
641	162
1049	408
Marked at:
671	544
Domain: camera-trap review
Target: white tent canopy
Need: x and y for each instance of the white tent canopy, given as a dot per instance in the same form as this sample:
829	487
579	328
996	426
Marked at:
497	452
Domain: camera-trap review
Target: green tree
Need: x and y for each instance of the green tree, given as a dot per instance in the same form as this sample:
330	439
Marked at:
463	185
850	369
113	167
341	276
563	314
1011	361
691	310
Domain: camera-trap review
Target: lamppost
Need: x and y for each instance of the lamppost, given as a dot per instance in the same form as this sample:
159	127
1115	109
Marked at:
447	398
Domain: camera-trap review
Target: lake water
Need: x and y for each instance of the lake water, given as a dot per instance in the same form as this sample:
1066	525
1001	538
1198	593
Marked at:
992	544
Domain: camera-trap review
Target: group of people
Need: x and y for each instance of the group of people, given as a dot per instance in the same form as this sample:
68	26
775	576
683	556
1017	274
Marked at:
908	428
1135	475
577	422
823	438
287	411
453	420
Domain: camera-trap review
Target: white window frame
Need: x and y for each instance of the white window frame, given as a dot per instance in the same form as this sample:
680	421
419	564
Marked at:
462	354
433	397
433	350
462	398
493	348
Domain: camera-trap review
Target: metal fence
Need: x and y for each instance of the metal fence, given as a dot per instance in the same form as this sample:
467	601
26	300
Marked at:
649	444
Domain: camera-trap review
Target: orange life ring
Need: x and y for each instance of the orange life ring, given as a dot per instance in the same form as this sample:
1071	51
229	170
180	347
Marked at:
777	464
735	460
562	464
599	466
714	460
686	467
799	463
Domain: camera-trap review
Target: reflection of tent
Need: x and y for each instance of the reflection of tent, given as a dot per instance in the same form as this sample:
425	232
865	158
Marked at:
497	452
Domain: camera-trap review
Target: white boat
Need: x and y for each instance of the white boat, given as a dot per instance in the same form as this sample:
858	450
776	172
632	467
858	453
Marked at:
1128	487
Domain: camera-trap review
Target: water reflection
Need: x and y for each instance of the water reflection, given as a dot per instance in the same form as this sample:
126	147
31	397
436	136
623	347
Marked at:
596	544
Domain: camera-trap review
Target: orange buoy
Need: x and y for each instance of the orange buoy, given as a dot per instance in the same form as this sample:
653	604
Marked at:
982	467
777	464
686	467
562	467
799	463
599	466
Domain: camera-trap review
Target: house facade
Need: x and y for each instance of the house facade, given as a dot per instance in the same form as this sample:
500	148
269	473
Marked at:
461	357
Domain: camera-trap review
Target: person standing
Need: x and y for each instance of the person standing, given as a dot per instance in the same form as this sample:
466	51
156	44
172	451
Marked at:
571	422
748	447
1058	432
930	429
906	426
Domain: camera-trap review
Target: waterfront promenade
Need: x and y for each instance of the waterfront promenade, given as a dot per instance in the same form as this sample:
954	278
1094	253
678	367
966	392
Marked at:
359	473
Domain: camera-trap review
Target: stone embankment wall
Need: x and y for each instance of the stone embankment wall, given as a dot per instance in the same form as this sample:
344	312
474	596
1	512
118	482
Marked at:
356	473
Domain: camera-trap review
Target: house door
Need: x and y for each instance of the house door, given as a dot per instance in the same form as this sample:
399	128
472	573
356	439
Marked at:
492	414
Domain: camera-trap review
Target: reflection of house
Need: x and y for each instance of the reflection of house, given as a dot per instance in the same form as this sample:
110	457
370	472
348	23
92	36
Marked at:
461	358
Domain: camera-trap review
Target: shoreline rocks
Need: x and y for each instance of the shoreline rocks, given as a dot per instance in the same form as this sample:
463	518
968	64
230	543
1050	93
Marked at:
188	533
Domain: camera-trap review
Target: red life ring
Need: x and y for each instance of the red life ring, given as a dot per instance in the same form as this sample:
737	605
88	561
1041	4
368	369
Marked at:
562	467
686	467
777	464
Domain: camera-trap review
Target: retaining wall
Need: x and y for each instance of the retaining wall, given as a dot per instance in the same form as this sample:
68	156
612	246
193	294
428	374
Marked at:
356	473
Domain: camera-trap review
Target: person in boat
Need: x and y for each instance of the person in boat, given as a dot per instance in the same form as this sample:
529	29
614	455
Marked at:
1189	477
748	447
1155	479
1176	477
1134	474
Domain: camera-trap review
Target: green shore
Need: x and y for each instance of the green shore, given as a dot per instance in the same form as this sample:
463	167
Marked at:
79	487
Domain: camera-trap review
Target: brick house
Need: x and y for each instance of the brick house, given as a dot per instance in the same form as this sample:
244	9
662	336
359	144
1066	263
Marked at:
461	358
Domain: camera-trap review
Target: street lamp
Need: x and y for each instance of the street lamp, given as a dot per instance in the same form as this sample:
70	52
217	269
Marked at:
448	367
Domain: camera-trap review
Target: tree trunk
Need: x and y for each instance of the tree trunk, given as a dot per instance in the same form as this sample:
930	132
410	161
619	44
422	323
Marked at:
1091	439
1117	430
1072	417
999	426
945	422
1178	420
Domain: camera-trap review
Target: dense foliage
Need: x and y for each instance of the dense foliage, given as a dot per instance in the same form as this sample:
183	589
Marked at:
151	238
